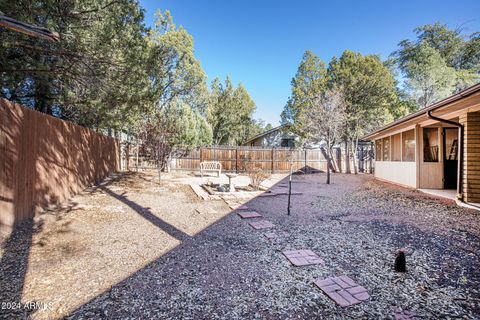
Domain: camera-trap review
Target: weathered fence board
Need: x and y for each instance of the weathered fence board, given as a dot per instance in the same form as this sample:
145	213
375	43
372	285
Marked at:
44	160
269	159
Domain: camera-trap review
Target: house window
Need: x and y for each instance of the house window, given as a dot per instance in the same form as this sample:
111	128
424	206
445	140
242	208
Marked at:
396	147
430	145
408	146
386	149
378	150
287	143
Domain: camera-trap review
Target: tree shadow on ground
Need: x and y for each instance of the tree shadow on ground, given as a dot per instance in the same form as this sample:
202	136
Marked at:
13	270
147	214
215	255
43	162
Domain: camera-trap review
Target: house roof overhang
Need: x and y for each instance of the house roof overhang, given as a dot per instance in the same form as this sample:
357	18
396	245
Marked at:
264	133
467	100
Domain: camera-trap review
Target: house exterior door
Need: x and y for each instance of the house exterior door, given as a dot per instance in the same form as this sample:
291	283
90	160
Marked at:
450	157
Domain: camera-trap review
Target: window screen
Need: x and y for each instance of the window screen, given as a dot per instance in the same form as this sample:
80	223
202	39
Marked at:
386	149
378	150
396	147
430	144
408	145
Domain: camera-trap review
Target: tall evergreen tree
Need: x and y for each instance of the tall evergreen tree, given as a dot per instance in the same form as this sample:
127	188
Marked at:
369	92
309	82
93	76
438	62
429	78
230	113
174	122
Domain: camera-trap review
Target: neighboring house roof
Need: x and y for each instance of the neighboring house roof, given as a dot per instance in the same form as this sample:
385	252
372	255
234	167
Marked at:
422	112
264	133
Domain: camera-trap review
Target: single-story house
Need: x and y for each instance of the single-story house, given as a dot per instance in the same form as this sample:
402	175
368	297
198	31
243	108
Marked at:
277	137
437	147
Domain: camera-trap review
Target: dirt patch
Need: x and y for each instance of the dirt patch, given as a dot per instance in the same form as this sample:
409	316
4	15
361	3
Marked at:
101	237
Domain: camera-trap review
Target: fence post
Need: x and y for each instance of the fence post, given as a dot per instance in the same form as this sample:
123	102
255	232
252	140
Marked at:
370	157
201	154
236	160
363	160
339	159
306	169
127	156
273	162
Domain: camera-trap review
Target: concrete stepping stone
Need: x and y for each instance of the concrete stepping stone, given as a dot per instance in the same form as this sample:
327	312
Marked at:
274	234
343	290
405	315
238	207
270	235
276	237
249	214
301	258
261	224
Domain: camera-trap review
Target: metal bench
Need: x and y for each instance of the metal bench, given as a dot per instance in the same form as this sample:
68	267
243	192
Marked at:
210	166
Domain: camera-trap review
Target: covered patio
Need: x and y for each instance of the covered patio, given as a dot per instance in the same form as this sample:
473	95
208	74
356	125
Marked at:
435	149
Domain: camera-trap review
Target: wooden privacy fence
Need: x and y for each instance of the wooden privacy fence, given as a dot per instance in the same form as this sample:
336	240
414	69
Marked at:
234	159
44	160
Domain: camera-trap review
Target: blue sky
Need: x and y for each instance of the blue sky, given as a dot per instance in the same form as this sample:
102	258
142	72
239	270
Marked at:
260	43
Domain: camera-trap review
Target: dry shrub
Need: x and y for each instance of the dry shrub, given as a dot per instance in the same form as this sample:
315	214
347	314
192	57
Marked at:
257	175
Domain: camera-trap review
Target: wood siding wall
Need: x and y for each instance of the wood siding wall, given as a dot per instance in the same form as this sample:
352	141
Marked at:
471	159
44	160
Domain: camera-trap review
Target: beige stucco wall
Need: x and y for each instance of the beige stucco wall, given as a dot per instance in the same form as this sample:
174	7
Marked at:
403	173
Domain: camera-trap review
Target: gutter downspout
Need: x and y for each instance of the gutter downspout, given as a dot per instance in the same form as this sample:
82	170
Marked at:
460	150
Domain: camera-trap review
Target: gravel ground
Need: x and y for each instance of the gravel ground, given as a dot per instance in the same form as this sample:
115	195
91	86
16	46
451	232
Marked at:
215	266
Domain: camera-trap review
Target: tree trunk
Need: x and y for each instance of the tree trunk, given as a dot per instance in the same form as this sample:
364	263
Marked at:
159	166
136	155
347	157
354	154
328	169
42	91
329	158
333	160
127	155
